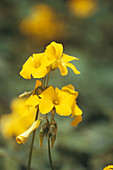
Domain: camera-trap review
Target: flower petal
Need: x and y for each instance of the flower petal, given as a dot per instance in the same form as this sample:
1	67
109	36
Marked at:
77	120
38	83
76	110
32	101
49	93
72	67
63	69
39	72
45	105
109	167
66	58
27	68
63	110
58	49
70	89
65	98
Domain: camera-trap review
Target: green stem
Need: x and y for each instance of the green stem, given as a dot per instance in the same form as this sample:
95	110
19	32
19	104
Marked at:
32	142
49	152
48	79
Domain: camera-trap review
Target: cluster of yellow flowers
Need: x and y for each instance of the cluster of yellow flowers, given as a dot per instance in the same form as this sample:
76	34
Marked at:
30	110
42	23
45	98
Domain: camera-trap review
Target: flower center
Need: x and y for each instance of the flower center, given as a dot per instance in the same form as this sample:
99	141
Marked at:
37	65
56	102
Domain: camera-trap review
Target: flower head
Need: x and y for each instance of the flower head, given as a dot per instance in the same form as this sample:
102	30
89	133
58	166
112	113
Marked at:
34	66
58	99
56	58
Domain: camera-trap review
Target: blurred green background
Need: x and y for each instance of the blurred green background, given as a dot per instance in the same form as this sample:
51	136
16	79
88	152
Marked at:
85	28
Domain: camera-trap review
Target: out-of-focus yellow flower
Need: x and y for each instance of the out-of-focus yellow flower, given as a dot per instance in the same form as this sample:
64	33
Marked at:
61	100
33	100
12	124
22	138
54	57
42	24
83	8
109	167
34	66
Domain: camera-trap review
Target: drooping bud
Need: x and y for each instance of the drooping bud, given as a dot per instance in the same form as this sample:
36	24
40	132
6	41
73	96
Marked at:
55	125
41	137
53	138
52	132
43	131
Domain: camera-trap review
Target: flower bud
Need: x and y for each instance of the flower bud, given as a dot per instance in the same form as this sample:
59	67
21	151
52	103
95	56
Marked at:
53	138
41	137
43	131
22	138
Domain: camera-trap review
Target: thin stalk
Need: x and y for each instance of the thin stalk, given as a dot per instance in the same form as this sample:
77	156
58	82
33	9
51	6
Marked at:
44	81
49	152
48	79
32	142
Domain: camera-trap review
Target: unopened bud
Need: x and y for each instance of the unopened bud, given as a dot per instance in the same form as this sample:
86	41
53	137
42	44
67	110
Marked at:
41	137
53	138
55	126
25	94
43	131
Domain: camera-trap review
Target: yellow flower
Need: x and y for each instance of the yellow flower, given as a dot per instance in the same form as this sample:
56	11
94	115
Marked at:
83	8
42	24
61	100
109	167
55	57
34	66
22	138
12	124
76	111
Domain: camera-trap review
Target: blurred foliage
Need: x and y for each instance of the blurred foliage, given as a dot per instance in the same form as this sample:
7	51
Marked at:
90	145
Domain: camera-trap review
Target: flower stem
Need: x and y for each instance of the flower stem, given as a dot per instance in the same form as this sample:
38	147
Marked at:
32	142
49	152
48	79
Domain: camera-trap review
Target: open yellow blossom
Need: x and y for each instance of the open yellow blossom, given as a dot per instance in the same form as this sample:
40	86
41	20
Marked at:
22	138
61	100
34	66
109	167
55	57
12	124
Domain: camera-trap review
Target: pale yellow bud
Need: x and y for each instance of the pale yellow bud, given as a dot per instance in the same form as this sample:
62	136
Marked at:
22	138
25	94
